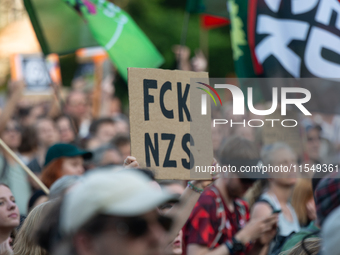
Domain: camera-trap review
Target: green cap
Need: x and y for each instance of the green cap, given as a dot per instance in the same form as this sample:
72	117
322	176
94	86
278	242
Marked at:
59	150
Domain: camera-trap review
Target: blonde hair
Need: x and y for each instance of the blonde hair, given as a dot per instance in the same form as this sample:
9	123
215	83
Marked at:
313	246
303	192
24	242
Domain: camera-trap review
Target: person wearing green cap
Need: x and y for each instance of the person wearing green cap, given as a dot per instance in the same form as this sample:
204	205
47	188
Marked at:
63	159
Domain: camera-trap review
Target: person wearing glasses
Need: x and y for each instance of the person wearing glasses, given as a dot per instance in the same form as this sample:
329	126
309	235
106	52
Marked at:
115	212
220	221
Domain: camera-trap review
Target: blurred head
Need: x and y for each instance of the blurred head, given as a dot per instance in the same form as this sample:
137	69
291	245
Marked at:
246	132
60	186
122	142
12	134
122	127
47	132
103	130
66	131
115	106
114	212
9	212
238	151
63	159
106	155
280	154
29	140
176	246
301	198
313	142
61	167
25	244
77	104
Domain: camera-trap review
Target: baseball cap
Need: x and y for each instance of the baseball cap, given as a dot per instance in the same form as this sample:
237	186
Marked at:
59	150
126	192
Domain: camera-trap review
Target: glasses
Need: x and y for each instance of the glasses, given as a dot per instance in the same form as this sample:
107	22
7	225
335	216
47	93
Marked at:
138	226
311	139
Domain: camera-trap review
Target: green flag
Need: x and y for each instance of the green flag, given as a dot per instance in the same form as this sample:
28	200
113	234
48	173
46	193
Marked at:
114	30
62	30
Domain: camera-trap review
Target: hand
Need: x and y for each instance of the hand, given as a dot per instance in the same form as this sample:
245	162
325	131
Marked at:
181	52
257	227
311	210
202	184
130	162
199	62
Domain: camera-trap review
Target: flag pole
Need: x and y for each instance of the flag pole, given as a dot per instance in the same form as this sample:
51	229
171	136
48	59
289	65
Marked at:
184	34
27	170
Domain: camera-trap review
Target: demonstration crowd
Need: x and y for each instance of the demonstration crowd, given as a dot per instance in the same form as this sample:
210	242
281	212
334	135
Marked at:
102	202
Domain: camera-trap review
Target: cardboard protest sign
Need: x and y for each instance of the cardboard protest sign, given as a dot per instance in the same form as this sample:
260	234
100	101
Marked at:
168	132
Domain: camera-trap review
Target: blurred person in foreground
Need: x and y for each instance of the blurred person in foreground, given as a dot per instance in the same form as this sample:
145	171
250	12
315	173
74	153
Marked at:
176	246
276	196
114	213
310	246
330	234
24	242
9	218
326	190
220	222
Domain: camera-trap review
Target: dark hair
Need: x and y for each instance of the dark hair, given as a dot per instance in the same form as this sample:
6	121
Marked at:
29	140
34	198
148	173
72	120
97	123
317	177
97	224
47	234
121	139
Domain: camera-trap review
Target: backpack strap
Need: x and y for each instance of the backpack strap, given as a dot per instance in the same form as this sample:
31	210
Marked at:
267	202
219	211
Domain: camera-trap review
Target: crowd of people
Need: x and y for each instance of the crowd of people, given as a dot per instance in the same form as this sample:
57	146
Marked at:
101	201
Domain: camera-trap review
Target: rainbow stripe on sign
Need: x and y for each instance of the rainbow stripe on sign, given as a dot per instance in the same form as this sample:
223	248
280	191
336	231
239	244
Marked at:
208	92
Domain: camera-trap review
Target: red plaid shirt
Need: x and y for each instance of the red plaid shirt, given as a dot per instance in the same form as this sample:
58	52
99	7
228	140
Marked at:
205	220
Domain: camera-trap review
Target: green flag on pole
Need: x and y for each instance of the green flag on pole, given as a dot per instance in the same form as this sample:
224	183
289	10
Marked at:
62	30
125	43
